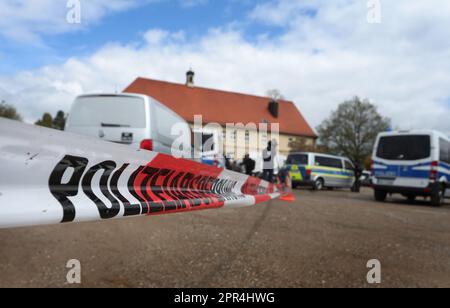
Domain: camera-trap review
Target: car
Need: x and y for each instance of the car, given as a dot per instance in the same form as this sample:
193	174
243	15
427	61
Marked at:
320	171
207	145
413	164
131	119
366	178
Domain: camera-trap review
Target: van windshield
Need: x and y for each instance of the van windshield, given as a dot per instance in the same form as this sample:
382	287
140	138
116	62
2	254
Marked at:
297	159
412	147
108	111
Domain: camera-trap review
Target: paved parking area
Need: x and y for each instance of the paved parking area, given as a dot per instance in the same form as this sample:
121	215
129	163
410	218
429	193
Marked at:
324	239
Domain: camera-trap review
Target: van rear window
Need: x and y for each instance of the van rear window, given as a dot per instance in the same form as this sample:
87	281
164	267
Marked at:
412	147
297	159
108	111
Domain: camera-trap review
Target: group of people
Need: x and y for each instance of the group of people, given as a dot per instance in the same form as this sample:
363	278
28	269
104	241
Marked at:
248	165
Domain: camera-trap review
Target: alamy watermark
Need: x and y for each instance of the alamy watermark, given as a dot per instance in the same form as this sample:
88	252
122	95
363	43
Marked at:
374	11
74	274
374	274
73	11
236	138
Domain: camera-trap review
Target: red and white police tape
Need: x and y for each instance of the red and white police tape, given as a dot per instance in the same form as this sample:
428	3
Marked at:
52	177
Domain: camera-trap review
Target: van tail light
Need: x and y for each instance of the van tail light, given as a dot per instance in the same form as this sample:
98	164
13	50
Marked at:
147	144
308	173
434	171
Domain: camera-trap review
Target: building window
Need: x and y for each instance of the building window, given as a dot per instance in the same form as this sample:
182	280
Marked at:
247	137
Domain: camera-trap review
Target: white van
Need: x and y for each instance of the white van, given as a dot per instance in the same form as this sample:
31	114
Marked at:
413	164
131	119
320	171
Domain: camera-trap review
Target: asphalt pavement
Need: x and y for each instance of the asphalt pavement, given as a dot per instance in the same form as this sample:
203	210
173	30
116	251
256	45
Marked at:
324	239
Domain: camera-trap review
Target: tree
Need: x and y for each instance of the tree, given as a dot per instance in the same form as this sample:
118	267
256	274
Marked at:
9	112
46	121
275	95
351	130
299	144
59	122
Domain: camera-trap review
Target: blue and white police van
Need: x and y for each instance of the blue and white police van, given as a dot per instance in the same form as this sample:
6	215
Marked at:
413	164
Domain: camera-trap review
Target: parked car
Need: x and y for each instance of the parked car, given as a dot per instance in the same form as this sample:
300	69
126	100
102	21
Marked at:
320	171
131	119
412	164
208	147
366	178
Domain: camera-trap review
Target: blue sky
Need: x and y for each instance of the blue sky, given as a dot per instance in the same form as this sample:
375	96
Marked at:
128	26
318	53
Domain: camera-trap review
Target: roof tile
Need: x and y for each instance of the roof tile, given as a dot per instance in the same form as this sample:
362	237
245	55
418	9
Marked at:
222	107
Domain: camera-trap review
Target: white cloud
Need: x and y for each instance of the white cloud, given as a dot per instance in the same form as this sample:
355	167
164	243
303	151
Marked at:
320	60
160	36
155	36
283	12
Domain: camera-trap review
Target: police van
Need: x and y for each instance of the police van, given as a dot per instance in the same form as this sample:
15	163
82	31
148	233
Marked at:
320	171
412	164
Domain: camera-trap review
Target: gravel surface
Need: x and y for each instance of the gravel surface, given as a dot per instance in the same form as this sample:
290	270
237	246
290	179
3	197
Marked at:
324	239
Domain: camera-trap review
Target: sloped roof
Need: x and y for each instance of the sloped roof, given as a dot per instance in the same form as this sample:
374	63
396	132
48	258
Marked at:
222	107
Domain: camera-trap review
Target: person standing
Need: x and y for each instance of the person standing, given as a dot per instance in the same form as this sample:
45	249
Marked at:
249	165
268	158
358	173
284	178
228	165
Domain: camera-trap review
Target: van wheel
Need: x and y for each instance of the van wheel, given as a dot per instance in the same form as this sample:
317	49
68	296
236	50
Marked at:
438	196
380	195
318	184
411	198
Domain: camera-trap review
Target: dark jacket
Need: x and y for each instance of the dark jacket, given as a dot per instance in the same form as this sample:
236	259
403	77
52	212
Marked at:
249	165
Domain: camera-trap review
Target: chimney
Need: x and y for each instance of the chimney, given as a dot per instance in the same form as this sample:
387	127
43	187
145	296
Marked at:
274	108
190	78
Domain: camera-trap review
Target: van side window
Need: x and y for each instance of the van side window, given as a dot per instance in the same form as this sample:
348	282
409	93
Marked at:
297	159
349	166
165	120
444	146
328	162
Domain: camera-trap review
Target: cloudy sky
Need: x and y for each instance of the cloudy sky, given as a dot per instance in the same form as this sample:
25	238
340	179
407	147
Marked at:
318	53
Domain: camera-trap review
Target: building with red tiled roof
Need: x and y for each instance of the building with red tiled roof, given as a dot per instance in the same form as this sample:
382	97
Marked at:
224	107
